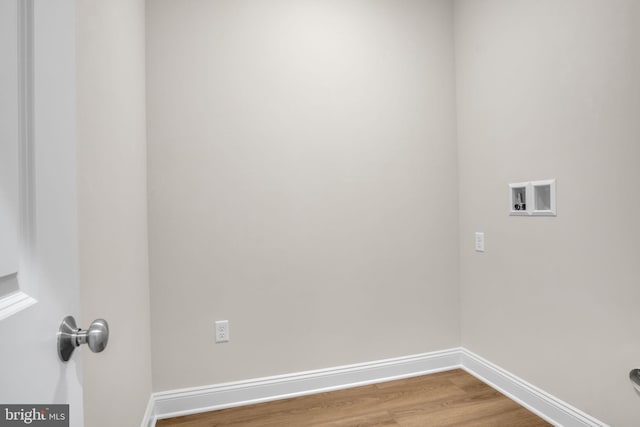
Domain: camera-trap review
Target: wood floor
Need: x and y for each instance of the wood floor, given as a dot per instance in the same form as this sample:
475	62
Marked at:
452	398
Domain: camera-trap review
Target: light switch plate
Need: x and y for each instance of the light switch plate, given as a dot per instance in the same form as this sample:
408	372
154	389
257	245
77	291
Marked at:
479	241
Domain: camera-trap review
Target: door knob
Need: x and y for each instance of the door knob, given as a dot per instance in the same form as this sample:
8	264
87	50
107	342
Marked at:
70	337
634	376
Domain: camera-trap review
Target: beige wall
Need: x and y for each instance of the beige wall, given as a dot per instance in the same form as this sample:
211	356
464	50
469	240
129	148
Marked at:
112	207
302	184
551	89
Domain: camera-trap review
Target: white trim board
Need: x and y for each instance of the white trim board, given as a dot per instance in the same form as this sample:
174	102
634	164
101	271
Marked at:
149	418
175	403
539	402
188	401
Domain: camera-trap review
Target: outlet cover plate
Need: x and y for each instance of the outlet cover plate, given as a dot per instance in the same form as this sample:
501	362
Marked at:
222	331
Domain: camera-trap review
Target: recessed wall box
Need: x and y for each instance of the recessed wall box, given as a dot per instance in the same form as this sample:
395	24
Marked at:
544	197
533	198
519	198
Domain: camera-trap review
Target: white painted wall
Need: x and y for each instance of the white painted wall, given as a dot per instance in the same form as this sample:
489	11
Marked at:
302	184
112	207
550	89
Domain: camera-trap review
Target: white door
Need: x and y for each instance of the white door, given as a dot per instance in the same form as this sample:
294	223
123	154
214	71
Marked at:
38	214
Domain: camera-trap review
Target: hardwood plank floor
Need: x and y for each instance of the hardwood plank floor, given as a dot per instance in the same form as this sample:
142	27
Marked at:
453	398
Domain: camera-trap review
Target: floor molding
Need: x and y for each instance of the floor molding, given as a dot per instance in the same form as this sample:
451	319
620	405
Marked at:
201	399
188	401
149	417
539	402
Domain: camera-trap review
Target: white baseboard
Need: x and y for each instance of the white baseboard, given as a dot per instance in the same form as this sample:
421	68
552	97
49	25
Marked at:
201	399
544	405
175	403
149	417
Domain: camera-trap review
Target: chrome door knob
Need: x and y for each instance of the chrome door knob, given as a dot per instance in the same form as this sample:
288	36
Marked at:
96	337
634	376
70	337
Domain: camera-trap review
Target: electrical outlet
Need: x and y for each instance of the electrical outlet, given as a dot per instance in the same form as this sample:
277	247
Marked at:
222	331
